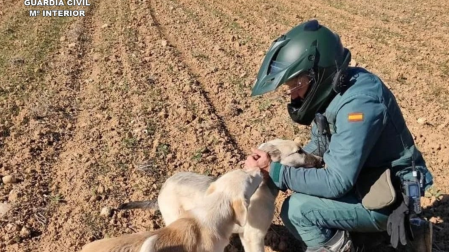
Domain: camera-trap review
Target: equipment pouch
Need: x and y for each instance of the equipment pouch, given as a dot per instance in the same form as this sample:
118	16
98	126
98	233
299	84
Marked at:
375	188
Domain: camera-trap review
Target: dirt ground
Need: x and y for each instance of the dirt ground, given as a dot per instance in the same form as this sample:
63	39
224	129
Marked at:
100	110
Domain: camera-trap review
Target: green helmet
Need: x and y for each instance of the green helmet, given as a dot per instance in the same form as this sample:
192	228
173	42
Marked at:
307	48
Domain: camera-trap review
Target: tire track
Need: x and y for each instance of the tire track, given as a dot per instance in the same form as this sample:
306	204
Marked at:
195	72
59	218
229	85
93	171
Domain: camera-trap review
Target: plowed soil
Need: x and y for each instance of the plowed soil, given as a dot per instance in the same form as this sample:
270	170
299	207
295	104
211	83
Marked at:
100	110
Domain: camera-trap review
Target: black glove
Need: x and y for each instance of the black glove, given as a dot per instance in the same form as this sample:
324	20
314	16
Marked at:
398	225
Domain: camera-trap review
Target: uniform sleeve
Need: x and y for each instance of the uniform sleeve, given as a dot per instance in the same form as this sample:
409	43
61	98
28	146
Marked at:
312	147
359	123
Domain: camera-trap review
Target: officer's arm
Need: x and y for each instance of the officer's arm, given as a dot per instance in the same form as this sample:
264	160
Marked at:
348	150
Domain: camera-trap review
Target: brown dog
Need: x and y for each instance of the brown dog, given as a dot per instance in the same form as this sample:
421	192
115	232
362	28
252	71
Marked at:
205	228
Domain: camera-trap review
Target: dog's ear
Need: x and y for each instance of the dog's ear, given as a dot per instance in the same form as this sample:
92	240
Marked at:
298	142
273	151
240	208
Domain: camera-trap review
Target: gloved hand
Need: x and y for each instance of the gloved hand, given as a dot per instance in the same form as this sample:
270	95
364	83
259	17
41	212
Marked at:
398	225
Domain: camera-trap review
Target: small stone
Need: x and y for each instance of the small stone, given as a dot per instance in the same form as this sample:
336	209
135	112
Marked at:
104	26
422	120
96	57
4	208
9	179
24	233
71	45
106	211
164	43
14	195
62	39
100	189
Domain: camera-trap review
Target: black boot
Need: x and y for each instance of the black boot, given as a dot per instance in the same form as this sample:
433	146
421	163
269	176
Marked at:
340	242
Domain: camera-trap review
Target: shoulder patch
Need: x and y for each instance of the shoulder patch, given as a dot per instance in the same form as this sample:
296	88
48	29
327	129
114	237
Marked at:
355	117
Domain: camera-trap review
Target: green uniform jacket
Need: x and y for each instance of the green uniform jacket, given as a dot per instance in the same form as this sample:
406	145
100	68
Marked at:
367	126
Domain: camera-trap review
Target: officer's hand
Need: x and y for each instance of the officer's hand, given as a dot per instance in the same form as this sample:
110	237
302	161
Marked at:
259	159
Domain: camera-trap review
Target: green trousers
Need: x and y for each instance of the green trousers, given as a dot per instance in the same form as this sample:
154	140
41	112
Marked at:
314	220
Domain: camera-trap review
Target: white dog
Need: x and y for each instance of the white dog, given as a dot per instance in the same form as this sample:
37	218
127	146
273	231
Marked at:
185	190
206	227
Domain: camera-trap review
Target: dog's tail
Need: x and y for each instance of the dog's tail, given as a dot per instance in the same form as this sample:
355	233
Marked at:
150	204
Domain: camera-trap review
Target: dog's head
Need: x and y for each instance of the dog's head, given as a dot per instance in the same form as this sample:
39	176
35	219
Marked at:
237	186
290	153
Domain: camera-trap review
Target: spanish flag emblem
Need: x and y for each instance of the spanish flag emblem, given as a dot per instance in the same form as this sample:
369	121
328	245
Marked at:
355	117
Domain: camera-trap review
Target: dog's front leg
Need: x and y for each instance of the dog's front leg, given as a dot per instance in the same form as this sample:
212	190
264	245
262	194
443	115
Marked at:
244	242
253	241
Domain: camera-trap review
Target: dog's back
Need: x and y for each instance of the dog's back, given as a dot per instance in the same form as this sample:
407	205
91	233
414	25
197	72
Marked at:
124	243
180	193
183	235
